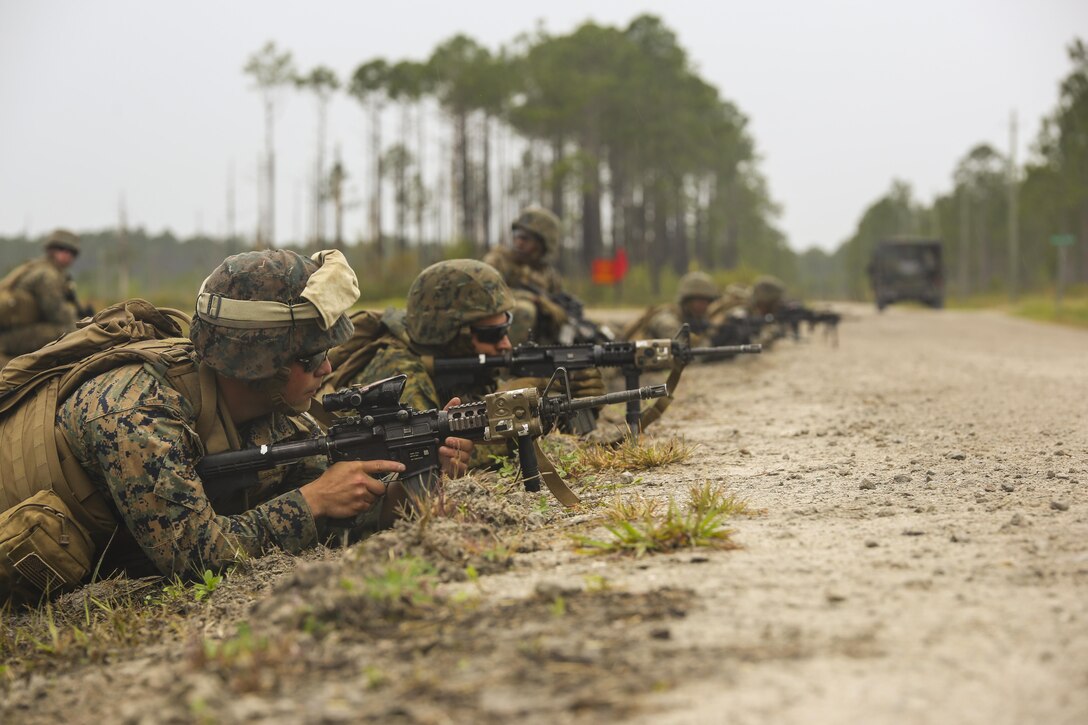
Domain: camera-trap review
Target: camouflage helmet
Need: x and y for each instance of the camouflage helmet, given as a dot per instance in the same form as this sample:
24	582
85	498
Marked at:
541	223
767	292
696	284
450	295
236	335
63	239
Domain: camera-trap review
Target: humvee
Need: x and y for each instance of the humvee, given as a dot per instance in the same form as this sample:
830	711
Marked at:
907	269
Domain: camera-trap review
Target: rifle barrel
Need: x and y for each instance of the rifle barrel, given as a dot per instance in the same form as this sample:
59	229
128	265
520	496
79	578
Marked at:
730	349
646	392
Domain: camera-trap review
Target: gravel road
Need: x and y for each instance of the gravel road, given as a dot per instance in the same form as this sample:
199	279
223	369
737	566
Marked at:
923	557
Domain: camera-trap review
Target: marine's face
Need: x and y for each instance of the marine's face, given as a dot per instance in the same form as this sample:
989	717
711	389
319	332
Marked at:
61	258
527	247
696	307
302	384
489	335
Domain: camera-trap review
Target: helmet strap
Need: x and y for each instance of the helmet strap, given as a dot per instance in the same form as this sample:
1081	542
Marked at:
273	387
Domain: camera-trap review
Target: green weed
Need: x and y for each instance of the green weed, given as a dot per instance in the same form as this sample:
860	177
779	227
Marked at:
639	526
204	589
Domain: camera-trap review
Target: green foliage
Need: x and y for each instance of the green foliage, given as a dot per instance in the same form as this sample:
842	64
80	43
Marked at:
408	579
972	218
204	589
639	526
122	618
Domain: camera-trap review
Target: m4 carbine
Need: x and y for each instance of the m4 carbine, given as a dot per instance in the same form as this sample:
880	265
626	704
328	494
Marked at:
543	361
378	427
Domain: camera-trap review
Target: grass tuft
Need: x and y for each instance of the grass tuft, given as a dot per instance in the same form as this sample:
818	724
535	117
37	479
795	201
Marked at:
631	455
640	526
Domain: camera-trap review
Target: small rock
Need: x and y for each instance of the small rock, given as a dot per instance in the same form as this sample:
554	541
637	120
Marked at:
835	598
1016	520
661	633
867	485
884	513
913	532
1059	505
627	477
959	539
901	478
957	456
1050	474
871	544
698	560
1008	487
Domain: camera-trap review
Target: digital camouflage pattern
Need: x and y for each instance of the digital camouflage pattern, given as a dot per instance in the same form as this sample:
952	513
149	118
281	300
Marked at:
53	290
277	275
541	223
448	296
134	436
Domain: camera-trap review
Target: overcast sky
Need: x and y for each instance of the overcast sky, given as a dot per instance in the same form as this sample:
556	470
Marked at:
147	100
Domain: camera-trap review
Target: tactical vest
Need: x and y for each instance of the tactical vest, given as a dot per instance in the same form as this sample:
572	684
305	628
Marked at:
18	306
35	456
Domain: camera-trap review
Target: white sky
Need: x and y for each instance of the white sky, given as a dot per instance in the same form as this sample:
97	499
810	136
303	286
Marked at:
147	100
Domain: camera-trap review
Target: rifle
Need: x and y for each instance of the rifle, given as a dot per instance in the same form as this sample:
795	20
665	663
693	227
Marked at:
577	329
379	427
539	361
794	313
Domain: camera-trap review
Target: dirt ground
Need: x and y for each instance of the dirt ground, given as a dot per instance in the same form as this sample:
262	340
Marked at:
917	553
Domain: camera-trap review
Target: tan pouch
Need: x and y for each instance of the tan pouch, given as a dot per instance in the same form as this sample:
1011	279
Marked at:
43	550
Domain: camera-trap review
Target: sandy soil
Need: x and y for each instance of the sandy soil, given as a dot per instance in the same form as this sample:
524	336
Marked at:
919	555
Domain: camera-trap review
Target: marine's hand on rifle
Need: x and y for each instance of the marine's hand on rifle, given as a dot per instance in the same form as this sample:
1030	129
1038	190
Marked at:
587	383
348	488
456	452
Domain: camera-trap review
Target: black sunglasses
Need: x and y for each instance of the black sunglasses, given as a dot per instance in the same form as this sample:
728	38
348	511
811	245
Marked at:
310	363
493	334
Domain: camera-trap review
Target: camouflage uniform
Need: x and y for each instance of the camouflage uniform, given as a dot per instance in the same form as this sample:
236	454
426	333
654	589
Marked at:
134	436
57	312
532	312
664	321
443	301
394	356
741	303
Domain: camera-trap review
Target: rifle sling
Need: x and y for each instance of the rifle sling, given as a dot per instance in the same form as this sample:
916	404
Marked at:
551	478
656	410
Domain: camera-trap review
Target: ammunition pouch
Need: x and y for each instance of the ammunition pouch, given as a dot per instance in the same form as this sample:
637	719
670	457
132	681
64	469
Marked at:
44	551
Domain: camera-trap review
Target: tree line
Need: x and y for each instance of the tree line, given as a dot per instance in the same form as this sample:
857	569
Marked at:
615	132
998	219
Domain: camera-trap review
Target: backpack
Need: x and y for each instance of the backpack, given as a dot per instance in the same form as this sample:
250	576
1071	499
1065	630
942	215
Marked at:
352	357
53	517
17	306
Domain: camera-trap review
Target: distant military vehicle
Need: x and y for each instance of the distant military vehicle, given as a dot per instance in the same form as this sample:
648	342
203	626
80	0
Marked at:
907	269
